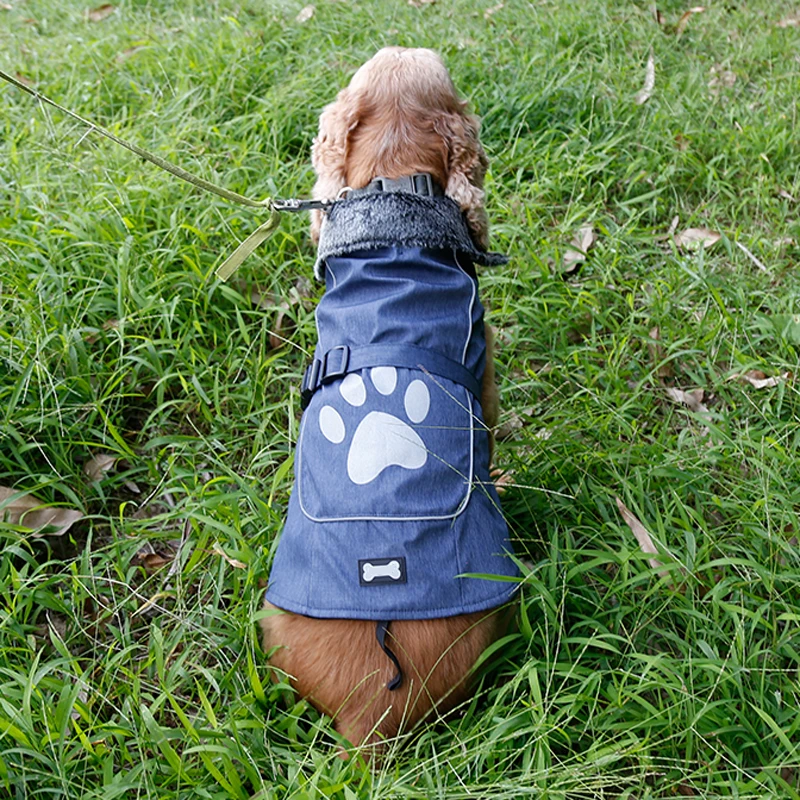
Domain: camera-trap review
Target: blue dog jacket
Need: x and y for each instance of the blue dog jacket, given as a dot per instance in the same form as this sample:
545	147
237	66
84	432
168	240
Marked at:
393	514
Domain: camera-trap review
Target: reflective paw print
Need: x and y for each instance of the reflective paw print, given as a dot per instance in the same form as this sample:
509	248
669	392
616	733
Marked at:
381	440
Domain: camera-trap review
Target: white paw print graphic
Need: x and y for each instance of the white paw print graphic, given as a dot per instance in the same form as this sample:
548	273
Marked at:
381	440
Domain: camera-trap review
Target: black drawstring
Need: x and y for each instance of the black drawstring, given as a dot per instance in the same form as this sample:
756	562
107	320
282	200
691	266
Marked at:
381	630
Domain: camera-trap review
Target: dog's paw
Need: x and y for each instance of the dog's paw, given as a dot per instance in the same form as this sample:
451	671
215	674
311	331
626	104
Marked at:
381	440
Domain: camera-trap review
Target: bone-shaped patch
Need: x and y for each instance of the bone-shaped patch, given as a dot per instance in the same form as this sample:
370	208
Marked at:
377	571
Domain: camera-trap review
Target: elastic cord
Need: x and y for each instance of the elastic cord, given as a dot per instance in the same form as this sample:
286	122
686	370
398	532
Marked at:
381	629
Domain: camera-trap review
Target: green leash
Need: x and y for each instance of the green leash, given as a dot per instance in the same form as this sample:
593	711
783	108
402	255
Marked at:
262	233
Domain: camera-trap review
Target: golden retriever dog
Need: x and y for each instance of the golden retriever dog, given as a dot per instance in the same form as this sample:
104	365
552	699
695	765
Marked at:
399	115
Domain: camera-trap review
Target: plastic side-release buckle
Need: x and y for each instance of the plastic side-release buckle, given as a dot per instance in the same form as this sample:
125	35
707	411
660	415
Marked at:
335	363
310	383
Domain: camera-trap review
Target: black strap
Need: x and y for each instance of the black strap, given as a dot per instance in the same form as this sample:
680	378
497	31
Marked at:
420	183
338	361
381	629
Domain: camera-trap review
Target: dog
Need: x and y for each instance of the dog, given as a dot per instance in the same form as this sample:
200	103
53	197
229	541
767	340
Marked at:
360	620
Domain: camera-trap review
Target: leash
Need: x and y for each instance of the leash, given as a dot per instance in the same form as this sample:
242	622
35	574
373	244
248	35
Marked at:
274	206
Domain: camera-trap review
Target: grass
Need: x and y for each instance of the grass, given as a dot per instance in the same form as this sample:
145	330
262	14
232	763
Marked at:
129	661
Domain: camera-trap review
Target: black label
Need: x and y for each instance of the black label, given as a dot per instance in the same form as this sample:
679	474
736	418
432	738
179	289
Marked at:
380	571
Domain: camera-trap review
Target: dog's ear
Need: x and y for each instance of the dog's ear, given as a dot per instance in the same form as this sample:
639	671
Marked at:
466	167
329	151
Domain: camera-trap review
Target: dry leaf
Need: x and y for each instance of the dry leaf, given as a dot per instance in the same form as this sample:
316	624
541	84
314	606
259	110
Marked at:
758	263
153	562
512	424
643	537
720	79
97	466
649	82
759	380
305	14
580	245
494	9
232	561
29	512
673	226
101	12
126	54
282	329
658	355
687	15
792	21
23	79
692	400
696	238
786	196
659	17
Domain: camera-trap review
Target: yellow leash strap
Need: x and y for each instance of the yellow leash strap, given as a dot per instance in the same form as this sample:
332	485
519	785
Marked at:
230	264
235	259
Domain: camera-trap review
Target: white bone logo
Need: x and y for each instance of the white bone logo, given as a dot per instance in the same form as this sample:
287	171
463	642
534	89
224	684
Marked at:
371	571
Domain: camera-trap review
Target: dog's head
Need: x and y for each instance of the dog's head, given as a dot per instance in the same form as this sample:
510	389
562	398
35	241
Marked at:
399	115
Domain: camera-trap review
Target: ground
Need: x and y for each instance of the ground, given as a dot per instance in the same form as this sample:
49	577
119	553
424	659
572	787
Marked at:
647	379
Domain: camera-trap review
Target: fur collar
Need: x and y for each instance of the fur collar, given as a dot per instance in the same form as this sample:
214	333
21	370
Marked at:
397	219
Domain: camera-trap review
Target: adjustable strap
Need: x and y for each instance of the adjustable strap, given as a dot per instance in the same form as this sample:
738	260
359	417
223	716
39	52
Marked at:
338	361
420	183
381	629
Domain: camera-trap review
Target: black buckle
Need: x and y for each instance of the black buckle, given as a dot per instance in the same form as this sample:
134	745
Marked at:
333	365
330	369
423	184
310	383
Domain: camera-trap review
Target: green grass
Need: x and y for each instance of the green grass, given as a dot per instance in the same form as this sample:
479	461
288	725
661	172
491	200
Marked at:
118	679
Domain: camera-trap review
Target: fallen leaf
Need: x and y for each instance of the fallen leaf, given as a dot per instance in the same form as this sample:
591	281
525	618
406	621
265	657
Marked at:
153	562
262	300
786	196
687	15
580	245
305	14
126	54
649	82
756	261
659	17
792	21
507	428
658	355
101	12
283	327
23	79
29	512
493	10
232	561
97	466
643	537
721	78
696	238
673	226
692	400
681	142
758	379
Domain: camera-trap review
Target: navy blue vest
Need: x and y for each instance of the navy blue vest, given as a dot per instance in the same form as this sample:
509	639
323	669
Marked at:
393	508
